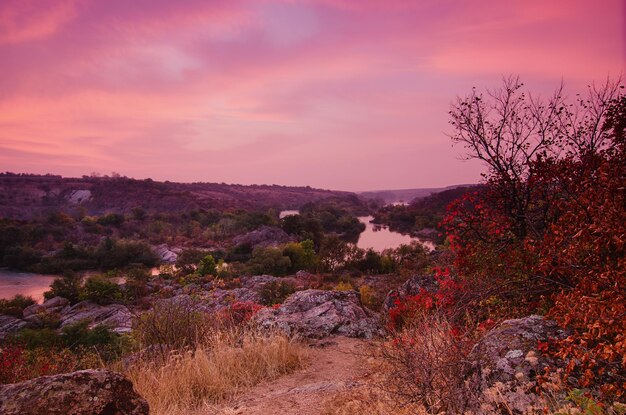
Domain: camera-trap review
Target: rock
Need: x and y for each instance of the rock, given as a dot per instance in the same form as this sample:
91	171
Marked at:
10	324
506	361
53	305
79	196
257	282
411	287
265	236
319	313
167	254
115	316
85	392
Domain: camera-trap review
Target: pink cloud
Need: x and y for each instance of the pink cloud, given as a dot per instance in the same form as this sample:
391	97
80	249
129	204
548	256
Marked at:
329	93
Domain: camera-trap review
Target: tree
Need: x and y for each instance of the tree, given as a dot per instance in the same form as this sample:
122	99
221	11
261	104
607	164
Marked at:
549	226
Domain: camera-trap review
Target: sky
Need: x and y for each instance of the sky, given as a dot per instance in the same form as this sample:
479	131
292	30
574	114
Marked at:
338	94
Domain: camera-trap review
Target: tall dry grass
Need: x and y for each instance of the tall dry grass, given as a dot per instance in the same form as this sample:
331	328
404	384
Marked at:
219	366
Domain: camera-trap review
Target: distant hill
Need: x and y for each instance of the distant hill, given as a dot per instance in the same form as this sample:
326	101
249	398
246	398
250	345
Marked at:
24	196
406	195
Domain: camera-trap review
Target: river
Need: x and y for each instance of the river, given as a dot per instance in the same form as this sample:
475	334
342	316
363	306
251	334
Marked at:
378	237
25	283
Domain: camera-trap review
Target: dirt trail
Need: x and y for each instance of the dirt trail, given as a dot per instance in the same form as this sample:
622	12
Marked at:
337	364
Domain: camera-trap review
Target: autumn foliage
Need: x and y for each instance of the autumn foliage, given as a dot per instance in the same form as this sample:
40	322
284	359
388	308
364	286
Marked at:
547	234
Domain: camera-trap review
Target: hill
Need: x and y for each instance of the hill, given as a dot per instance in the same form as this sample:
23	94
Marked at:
25	196
405	195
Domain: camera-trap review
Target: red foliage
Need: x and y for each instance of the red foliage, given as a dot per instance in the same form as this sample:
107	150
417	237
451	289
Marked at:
240	312
18	364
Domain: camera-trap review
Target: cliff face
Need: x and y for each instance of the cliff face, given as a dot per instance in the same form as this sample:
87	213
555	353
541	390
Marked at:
28	196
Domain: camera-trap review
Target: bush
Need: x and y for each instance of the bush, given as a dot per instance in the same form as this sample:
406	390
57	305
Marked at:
68	286
15	305
268	261
426	363
207	266
101	290
275	292
172	324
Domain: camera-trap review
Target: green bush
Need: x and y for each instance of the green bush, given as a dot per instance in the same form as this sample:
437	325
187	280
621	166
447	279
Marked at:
269	261
15	305
101	290
207	266
68	286
276	292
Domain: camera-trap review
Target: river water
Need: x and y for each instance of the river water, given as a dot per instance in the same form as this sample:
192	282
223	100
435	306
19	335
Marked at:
378	237
24	283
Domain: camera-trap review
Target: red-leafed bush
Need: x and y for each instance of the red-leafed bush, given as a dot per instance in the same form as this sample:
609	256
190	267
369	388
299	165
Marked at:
239	312
548	231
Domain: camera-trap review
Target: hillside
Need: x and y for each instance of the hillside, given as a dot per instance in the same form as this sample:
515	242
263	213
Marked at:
28	196
405	195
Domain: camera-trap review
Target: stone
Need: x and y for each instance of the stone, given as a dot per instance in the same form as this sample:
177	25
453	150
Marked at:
53	305
117	317
86	392
9	325
319	314
504	364
265	236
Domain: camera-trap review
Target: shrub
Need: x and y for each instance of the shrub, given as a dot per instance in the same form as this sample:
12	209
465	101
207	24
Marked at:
275	292
68	286
426	363
269	261
207	266
172	324
101	290
15	305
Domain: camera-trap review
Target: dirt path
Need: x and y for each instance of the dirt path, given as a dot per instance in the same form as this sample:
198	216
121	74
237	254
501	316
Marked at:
336	364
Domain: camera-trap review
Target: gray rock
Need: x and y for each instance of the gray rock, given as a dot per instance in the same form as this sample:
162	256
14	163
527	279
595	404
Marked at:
265	236
115	316
9	325
167	254
53	305
86	392
506	362
319	313
257	282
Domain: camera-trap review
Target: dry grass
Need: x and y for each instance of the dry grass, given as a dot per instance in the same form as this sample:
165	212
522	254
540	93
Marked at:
220	367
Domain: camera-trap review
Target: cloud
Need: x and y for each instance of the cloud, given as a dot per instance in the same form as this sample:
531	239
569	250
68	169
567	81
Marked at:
295	92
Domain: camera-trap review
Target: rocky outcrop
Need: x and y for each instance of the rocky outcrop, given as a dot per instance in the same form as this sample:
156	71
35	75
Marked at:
411	287
53	305
86	392
166	254
318	314
263	237
9	325
115	316
506	361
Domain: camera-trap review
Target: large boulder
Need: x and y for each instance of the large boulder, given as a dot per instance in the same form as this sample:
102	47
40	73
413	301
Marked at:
265	236
319	313
411	287
87	392
116	317
9	325
506	361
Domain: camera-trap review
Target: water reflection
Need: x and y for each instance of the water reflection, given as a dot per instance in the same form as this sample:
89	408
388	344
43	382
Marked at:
25	283
379	238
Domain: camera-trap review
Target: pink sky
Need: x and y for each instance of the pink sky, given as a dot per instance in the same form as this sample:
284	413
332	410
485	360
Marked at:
333	93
